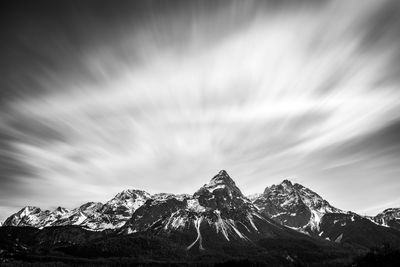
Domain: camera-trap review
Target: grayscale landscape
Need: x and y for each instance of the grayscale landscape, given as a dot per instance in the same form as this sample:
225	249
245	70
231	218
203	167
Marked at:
200	133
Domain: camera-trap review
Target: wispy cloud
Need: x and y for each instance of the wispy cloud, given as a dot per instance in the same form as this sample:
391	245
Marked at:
260	89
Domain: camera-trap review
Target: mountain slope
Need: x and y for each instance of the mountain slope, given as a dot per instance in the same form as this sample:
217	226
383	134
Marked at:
75	246
354	229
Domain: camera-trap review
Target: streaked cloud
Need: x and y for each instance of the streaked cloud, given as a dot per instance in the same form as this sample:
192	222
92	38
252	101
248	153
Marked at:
163	97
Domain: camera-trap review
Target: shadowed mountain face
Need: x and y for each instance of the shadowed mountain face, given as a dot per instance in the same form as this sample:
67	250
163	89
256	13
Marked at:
354	229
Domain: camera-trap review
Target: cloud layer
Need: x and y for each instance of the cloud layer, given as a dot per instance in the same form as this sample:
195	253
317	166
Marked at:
161	97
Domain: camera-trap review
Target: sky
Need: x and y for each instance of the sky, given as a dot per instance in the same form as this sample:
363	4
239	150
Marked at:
101	96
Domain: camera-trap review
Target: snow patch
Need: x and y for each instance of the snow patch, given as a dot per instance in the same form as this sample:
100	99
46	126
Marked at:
175	221
221	225
248	230
233	226
197	224
212	189
278	214
299	229
250	218
131	231
194	205
82	217
339	238
315	220
260	217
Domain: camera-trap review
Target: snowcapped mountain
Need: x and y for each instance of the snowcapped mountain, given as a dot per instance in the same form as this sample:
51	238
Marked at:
29	216
120	209
217	212
84	215
165	196
301	209
92	215
389	217
294	205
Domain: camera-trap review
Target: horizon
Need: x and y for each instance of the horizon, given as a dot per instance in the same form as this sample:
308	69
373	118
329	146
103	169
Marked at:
97	97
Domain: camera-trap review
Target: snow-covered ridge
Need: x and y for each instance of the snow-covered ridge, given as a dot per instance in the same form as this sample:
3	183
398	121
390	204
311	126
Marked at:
165	196
221	192
92	215
388	218
218	203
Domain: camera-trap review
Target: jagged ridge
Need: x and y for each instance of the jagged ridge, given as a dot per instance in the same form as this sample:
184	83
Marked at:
217	212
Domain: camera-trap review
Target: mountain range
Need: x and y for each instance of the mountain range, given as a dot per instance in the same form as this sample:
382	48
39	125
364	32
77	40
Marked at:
218	219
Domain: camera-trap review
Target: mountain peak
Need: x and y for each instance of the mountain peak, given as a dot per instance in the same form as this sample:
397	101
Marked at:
28	210
222	181
287	182
60	210
220	191
132	193
284	186
222	172
222	178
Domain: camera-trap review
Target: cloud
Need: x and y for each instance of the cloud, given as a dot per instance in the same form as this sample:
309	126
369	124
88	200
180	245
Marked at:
264	90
